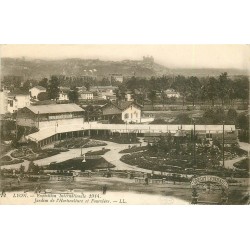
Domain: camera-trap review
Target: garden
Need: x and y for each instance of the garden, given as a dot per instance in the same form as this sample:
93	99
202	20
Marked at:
7	160
171	155
30	154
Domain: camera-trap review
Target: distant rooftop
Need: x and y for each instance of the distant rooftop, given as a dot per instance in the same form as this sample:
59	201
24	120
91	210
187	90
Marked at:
124	104
86	92
103	87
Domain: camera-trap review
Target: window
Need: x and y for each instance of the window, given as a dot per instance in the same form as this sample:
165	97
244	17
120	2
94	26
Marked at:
11	103
126	116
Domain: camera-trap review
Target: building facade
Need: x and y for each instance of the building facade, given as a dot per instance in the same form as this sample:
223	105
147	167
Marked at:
86	95
42	116
63	96
17	100
128	112
3	102
172	93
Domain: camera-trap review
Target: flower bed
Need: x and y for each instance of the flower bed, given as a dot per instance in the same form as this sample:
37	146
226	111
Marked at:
78	143
133	149
28	154
118	138
98	152
243	164
10	162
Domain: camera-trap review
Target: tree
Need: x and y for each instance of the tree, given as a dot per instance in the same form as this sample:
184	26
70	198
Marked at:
211	89
213	116
241	89
193	87
92	112
33	168
164	98
53	88
73	95
183	118
232	116
43	96
223	87
243	124
120	93
243	121
152	97
44	83
22	169
180	84
26	85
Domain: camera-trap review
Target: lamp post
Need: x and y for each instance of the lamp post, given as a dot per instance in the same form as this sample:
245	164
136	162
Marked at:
223	132
82	131
194	145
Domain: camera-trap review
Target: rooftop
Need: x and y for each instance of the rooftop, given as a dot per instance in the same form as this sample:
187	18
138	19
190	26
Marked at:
55	108
86	92
124	104
103	87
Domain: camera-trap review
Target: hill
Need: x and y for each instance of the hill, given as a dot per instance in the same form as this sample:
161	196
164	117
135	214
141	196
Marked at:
39	68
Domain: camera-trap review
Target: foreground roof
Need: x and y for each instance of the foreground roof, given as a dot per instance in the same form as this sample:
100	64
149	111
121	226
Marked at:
55	108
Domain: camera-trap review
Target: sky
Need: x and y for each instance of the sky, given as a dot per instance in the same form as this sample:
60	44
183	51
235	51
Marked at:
172	56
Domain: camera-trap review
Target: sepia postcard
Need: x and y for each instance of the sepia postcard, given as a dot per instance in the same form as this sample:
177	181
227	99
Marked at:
124	124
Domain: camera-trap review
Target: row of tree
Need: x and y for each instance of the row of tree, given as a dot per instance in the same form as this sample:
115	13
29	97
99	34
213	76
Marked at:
205	89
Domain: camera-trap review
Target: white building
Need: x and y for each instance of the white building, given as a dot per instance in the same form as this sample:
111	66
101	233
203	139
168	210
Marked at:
86	95
3	102
63	96
35	91
126	111
172	93
17	100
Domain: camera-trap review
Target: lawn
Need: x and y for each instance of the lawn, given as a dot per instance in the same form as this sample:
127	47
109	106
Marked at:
98	152
78	164
78	143
243	164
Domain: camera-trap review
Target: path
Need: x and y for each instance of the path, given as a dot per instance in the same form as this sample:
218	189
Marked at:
113	156
229	163
245	146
